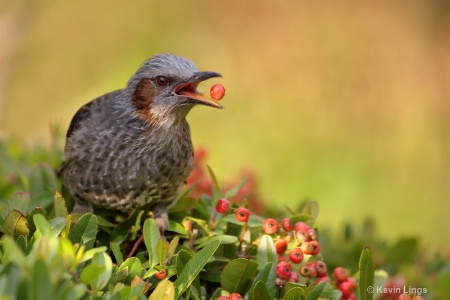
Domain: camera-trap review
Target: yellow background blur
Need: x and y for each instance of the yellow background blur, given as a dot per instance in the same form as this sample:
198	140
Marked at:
341	101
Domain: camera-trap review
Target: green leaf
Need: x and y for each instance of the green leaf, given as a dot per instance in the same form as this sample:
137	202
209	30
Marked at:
194	266
238	275
134	267
316	292
60	205
216	188
102	259
267	275
57	225
223	239
91	252
164	291
294	294
115	248
266	251
260	292
21	241
366	274
84	231
161	251
291	285
66	291
183	258
91	272
19	201
12	252
381	278
177	228
151	237
173	247
30	217
39	283
42	225
252	222
15	224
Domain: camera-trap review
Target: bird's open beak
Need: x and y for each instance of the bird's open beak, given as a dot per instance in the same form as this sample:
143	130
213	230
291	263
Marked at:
189	89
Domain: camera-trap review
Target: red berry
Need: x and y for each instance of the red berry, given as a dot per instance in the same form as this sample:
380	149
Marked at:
321	268
404	297
301	226
340	274
352	297
281	246
160	275
312	267
345	288
217	91
302	236
242	214
296	255
312	234
294	277
270	226
223	298
353	282
222	205
286	224
311	247
236	296
315	247
305	271
320	279
284	270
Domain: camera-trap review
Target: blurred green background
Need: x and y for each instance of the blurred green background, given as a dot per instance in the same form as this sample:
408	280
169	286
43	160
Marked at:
345	102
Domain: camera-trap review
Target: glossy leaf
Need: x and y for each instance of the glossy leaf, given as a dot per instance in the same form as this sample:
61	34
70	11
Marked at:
164	291
366	274
238	275
260	292
151	237
115	248
267	275
84	231
60	205
266	251
294	294
194	266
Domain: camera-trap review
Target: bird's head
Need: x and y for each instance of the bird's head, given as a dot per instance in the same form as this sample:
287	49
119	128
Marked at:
165	87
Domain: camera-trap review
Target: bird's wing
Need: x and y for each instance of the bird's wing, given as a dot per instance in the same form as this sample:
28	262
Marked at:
85	111
80	116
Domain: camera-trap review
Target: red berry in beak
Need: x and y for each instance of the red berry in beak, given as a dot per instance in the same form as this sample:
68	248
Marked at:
217	91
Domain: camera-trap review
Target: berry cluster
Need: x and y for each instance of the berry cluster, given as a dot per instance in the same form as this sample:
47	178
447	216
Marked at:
344	283
301	239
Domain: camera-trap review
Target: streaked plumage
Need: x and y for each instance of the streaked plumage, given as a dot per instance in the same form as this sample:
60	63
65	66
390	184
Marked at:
132	146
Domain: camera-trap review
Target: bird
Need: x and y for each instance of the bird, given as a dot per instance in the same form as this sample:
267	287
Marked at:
132	147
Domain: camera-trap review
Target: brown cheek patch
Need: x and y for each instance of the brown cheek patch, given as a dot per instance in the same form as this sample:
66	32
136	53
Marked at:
142	100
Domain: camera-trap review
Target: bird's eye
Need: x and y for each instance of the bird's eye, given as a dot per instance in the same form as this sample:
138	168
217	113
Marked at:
162	81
